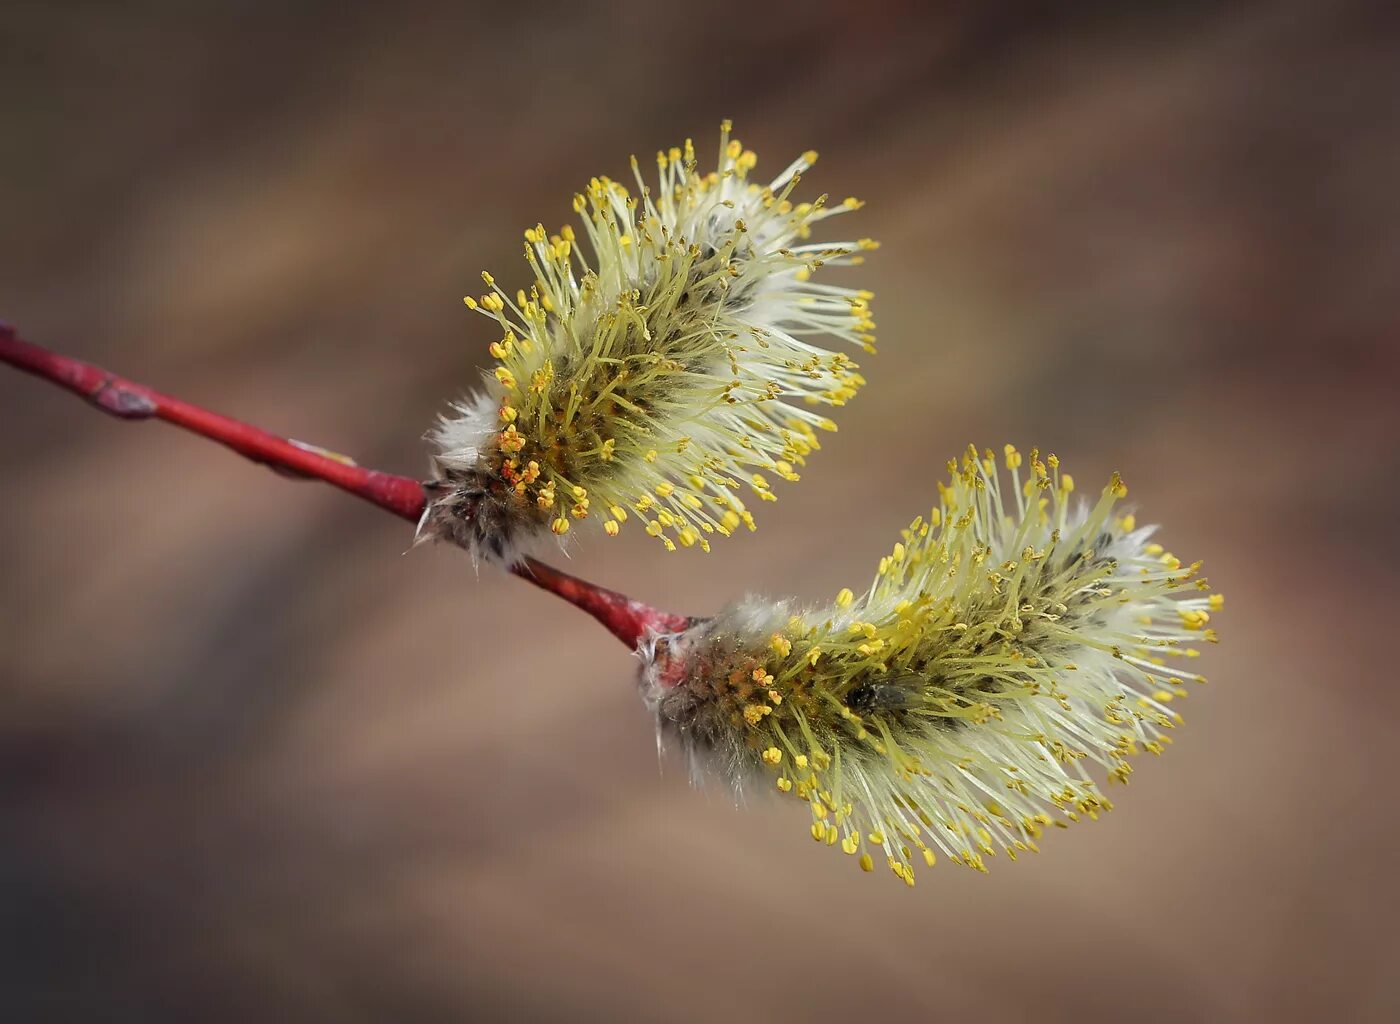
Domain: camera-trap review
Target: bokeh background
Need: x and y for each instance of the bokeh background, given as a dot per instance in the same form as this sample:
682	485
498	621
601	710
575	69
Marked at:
258	762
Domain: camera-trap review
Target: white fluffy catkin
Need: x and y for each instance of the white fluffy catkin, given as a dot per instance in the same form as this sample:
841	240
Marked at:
1009	639
659	366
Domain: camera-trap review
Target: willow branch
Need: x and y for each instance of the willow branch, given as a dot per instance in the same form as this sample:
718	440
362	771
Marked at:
626	619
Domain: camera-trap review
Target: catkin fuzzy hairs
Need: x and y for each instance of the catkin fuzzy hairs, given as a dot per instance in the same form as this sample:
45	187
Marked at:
1009	638
658	367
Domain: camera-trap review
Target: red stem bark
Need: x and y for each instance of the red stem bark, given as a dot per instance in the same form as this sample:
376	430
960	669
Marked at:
626	619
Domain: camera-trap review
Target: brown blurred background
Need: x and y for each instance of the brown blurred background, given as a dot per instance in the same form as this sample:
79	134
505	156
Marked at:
256	762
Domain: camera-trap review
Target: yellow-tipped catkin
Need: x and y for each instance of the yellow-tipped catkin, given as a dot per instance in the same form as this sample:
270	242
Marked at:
664	360
1016	635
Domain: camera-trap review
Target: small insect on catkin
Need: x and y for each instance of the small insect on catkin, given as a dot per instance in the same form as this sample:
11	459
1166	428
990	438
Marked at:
663	374
1008	639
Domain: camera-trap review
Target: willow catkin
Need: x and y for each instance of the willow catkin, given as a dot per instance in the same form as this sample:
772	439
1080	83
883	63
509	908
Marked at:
663	376
1008	639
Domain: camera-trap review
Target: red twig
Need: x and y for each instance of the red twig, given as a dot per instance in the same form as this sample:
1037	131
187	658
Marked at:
626	619
131	401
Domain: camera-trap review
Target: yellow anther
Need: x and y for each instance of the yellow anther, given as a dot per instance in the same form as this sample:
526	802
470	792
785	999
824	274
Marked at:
1194	620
